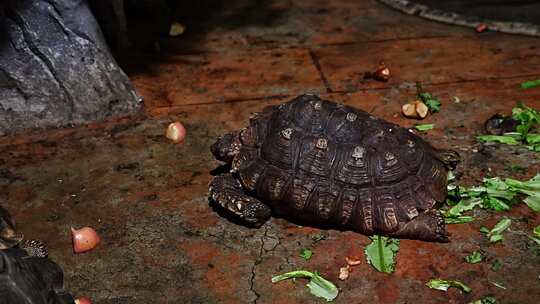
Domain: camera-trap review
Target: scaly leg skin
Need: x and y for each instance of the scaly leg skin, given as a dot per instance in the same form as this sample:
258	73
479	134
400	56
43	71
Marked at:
428	226
34	248
228	193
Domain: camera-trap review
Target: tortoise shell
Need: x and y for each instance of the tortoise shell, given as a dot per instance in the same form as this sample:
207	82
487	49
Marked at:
322	162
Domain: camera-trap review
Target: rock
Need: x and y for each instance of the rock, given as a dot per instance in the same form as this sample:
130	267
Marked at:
56	69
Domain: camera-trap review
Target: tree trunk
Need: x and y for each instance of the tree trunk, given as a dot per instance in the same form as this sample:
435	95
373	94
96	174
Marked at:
55	67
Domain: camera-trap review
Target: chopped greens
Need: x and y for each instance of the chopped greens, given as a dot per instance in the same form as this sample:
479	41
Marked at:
433	103
424	127
527	118
462	206
318	286
306	254
504	139
530	188
461	219
496	265
475	257
443	285
498	285
530	84
495	194
536	236
485	300
495	234
381	253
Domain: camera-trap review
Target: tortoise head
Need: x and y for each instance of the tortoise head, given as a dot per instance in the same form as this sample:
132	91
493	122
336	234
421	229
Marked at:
9	237
450	158
226	147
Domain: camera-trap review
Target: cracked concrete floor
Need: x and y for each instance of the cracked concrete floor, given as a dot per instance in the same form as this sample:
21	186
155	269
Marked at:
164	243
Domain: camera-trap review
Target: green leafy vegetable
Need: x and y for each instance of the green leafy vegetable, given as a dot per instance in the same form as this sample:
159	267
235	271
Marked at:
433	103
424	127
496	265
462	219
535	148
495	234
381	253
505	139
318	286
475	257
443	285
533	202
527	119
530	84
536	236
526	116
532	138
485	300
306	254
462	206
495	194
531	188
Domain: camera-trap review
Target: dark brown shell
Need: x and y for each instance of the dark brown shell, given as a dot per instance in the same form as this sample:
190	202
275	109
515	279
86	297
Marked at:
327	163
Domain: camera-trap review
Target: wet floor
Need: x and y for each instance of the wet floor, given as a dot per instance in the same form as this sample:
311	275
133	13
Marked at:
161	240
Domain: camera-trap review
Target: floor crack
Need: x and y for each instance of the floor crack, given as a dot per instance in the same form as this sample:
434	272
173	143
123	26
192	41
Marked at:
255	263
317	64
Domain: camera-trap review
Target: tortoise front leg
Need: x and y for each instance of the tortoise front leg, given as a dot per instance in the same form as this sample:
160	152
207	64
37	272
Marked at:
228	193
34	248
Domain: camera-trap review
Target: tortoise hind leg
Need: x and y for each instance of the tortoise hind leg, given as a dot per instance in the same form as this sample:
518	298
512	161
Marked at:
228	193
427	226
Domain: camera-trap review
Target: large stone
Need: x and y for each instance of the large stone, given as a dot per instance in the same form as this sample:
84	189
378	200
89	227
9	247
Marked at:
55	67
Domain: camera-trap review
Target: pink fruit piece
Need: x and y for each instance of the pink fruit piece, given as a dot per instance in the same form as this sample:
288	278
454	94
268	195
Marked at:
176	132
83	300
84	239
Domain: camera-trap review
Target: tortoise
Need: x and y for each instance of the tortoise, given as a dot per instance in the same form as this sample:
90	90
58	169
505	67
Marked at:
26	274
10	237
323	163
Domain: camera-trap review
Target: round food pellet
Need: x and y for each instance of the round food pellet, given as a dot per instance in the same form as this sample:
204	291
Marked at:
176	132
